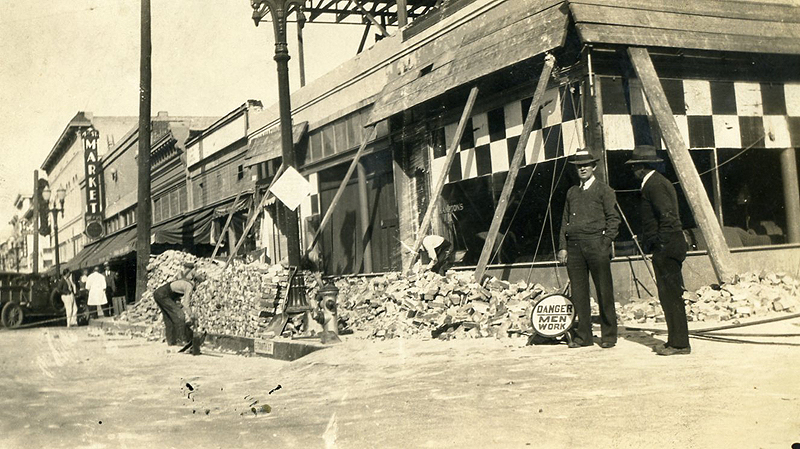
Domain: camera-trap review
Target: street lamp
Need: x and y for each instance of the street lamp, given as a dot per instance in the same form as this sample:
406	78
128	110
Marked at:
61	193
279	10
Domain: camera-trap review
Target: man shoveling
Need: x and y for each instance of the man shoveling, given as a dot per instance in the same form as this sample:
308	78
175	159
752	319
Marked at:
173	298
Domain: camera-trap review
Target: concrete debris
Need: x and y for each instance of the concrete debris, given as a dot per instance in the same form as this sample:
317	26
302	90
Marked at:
427	305
241	300
752	294
238	300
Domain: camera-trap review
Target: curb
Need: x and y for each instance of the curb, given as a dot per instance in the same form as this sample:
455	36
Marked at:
275	348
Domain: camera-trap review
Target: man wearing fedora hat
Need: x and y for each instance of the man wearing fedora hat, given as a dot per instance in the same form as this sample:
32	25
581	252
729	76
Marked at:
589	225
662	233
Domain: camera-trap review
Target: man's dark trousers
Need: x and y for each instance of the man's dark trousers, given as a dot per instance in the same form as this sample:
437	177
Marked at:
667	262
174	319
584	257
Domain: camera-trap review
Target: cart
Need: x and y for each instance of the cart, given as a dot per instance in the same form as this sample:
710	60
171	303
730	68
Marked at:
27	295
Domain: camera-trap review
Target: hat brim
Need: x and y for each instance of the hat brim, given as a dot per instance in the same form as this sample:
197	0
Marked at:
644	161
584	161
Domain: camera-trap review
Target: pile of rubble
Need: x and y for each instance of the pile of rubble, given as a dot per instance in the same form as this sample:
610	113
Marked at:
429	305
240	299
237	300
750	294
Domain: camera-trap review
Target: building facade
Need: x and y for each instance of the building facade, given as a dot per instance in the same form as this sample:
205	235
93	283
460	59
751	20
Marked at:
66	168
732	92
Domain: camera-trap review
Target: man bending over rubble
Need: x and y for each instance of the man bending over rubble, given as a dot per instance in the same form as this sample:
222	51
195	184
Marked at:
436	254
173	300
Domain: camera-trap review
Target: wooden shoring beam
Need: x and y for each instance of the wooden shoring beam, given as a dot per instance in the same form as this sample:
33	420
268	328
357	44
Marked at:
371	18
364	37
513	169
363	200
402	13
437	189
373	132
253	217
690	181
227	223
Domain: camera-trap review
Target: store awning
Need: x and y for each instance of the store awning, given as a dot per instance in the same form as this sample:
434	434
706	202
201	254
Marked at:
244	202
509	33
109	248
187	230
268	146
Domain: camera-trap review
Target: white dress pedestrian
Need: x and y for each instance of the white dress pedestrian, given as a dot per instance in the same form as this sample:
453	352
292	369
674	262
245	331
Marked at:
96	284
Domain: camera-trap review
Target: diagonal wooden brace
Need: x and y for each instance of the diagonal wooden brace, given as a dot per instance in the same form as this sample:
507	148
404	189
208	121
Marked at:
684	167
437	190
513	169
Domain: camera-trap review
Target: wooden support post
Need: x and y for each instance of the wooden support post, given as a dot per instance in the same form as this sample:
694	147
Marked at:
227	223
684	166
328	213
593	115
437	190
144	211
717	189
301	58
232	240
791	194
402	13
513	169
253	217
371	18
363	202
35	206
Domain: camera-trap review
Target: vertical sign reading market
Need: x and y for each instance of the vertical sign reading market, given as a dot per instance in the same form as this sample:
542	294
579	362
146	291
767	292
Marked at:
94	203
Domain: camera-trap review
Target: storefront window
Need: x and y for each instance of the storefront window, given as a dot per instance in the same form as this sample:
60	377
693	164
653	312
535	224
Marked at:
529	231
752	195
626	186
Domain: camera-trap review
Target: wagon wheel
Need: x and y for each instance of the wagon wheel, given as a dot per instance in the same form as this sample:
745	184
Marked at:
12	315
55	300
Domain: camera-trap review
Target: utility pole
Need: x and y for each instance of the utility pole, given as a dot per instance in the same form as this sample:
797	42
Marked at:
35	205
143	210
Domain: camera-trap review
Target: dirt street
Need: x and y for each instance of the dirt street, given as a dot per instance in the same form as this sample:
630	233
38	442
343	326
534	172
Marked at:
82	388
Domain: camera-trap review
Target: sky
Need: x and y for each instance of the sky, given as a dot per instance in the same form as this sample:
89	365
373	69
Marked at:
58	57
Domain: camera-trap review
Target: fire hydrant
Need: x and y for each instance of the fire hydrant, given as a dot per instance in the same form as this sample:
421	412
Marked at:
328	297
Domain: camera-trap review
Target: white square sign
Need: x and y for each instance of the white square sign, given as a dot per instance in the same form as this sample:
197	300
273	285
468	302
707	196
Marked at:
291	188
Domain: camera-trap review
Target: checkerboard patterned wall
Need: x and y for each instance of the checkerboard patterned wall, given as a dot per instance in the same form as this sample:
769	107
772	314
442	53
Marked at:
491	137
709	113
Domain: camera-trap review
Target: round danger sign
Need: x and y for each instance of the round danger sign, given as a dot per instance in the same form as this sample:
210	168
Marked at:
553	315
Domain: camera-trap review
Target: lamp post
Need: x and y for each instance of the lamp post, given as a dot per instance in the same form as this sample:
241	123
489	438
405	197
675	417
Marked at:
61	193
279	10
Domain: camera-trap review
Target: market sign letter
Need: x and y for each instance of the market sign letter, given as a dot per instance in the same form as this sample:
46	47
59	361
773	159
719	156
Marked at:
94	203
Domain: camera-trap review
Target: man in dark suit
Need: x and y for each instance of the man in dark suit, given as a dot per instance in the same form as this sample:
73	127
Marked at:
663	235
589	225
111	282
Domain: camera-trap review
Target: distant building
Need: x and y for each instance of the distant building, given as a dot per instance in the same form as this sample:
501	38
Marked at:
66	167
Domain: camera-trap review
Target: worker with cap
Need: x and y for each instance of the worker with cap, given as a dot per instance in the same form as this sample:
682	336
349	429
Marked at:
173	298
589	225
662	233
